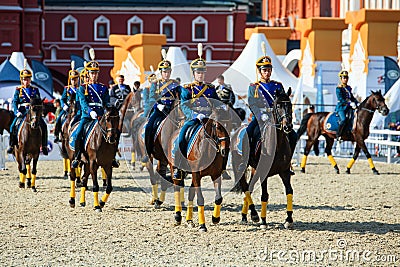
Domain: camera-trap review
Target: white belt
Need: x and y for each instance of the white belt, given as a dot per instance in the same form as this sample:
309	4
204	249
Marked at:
25	104
95	104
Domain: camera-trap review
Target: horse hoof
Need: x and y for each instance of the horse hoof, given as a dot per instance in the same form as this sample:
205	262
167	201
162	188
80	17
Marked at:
157	204
34	189
348	171
82	204
202	228
288	225
72	202
244	219
65	175
178	218
21	185
152	201
28	183
303	170
375	171
215	220
97	209
190	224
102	204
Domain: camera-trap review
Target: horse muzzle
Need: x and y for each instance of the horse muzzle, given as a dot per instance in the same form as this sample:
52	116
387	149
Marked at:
287	128
384	111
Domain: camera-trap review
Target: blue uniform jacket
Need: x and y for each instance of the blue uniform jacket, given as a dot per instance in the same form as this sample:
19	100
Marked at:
68	93
22	97
94	97
344	97
262	94
163	92
194	99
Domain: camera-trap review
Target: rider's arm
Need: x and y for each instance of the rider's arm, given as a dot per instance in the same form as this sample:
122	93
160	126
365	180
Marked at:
255	102
152	95
80	94
185	103
64	98
232	98
15	101
105	98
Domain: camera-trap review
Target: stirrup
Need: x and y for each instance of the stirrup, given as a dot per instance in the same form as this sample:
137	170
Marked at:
115	163
10	150
75	163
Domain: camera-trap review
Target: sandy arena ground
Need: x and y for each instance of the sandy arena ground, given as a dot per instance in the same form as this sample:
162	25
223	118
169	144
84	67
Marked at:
339	220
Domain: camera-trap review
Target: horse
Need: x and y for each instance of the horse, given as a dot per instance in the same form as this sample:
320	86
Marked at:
100	151
206	158
273	157
6	118
29	143
315	123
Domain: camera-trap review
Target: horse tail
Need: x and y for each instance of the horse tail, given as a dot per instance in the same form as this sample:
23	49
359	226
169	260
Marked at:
303	125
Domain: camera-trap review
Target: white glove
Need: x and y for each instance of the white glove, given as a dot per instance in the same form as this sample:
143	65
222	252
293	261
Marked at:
264	117
19	114
160	107
65	108
200	117
353	105
93	114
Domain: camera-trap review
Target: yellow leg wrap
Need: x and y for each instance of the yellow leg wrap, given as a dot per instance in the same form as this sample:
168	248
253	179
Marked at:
332	160
264	209
289	206
202	219
217	211
96	199
65	163
22	178
154	191
105	197
178	206
189	214
133	160
162	196
245	208
371	163
350	164
28	171
144	164
103	174
78	172
182	194
303	161
83	191
33	182
68	165
72	192
248	198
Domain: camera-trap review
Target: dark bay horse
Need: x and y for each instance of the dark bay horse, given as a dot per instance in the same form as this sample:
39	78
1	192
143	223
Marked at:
273	157
29	142
100	152
206	158
6	118
360	131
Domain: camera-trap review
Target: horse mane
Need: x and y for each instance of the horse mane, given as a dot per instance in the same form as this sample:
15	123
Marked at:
36	101
123	109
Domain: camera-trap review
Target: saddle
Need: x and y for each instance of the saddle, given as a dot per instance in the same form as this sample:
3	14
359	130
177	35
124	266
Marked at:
189	138
331	123
87	133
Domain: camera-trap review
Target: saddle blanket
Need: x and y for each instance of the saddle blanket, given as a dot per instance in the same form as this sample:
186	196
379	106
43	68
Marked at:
239	142
190	140
88	130
331	123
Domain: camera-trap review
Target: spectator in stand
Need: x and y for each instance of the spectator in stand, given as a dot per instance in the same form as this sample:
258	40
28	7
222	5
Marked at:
395	127
57	105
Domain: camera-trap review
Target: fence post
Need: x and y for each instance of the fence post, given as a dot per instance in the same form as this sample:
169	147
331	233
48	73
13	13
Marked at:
389	149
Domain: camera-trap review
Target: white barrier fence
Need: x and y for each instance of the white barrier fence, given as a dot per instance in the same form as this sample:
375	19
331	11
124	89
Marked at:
379	143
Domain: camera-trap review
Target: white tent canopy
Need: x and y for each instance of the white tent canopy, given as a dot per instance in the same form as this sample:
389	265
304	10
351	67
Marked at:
243	70
180	66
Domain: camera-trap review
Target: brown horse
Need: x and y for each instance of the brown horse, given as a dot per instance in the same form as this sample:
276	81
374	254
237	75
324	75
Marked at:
6	118
29	142
207	158
273	157
100	152
360	131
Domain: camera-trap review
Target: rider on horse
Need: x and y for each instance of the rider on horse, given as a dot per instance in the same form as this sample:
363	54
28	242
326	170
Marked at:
261	96
163	94
195	103
68	94
93	98
119	92
346	102
22	98
148	101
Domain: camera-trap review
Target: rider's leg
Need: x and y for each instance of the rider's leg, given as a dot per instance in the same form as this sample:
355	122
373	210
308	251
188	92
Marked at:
180	153
43	127
115	163
148	138
78	143
342	122
57	127
13	138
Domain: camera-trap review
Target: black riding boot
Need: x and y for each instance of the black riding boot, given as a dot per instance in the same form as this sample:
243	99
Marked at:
57	130
12	142
340	132
43	127
115	162
77	155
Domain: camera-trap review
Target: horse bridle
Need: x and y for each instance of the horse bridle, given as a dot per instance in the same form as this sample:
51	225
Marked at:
217	140
105	131
30	116
378	107
280	117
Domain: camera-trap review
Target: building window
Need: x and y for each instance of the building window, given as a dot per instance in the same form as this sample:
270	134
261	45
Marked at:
69	28
167	27
208	54
53	54
199	29
101	29
135	25
86	55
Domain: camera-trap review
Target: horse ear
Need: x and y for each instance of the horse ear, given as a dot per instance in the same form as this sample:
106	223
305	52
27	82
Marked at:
289	92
